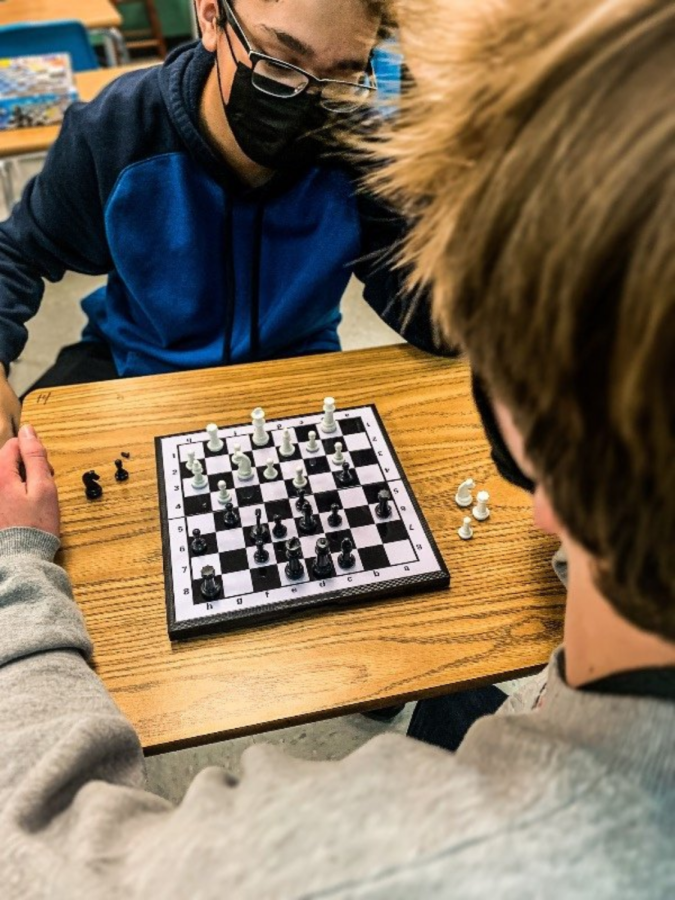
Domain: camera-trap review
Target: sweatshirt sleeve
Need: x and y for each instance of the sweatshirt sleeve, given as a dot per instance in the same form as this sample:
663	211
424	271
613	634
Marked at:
58	225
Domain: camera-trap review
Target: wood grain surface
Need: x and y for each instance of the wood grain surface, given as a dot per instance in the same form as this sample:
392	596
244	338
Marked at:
92	13
20	141
501	616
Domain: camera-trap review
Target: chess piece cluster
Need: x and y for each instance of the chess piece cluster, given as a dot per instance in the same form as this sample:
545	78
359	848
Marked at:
93	490
480	511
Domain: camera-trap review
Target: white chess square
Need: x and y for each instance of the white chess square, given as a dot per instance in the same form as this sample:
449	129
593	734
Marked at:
327	527
400	552
247	514
285	580
243	440
198	563
357	567
291	531
196	448
308	543
358	441
324	481
248	482
190	491
219	507
370	474
270	561
206	522
309	454
262	454
391	518
218	465
236	584
273	490
353	497
366	536
230	539
277	436
289	467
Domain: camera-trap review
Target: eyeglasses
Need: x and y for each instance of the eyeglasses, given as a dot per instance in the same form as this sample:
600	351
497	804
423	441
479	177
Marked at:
281	79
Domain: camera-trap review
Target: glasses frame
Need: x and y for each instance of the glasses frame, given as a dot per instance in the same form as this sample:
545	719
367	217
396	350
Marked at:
255	56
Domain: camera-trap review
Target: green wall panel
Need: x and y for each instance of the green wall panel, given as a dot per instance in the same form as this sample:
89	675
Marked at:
174	15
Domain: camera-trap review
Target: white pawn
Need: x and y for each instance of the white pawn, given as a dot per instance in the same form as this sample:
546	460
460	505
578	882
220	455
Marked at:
338	456
287	448
328	422
466	531
198	478
224	495
312	444
480	510
299	481
259	433
463	496
215	445
190	459
236	453
244	468
270	472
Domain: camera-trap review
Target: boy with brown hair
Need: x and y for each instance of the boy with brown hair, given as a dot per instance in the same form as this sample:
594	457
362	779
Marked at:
555	269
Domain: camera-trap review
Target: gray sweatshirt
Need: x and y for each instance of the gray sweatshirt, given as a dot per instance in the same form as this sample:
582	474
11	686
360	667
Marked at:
572	797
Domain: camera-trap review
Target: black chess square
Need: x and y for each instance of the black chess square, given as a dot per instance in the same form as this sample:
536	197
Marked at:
358	516
394	530
279	551
325	499
317	464
233	561
353	476
197	591
335	539
249	537
352	426
210	540
374	558
210	453
302	432
364	457
317	521
265	578
249	495
193	506
372	490
279	508
227	477
293	492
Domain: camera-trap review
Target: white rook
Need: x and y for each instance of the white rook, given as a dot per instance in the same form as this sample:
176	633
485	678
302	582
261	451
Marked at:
328	422
259	433
215	445
480	510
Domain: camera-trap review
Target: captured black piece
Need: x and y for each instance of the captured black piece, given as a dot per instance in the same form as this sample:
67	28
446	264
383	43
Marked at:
210	587
92	488
279	529
261	555
345	477
334	519
323	563
259	530
307	524
198	544
125	454
383	508
121	473
300	502
230	515
346	559
294	566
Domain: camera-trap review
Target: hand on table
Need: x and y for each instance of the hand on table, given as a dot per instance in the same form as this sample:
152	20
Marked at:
10	409
28	495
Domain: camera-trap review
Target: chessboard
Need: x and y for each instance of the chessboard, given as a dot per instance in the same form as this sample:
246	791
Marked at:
389	548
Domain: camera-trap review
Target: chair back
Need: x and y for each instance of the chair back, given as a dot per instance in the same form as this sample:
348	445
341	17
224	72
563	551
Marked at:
39	38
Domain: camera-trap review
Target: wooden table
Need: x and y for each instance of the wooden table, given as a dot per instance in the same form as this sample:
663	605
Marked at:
500	618
22	141
92	13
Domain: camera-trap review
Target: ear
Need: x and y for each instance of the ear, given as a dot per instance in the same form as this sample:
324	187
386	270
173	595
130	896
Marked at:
544	514
208	12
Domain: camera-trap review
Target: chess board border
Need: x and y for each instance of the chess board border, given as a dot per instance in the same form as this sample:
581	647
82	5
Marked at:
338	599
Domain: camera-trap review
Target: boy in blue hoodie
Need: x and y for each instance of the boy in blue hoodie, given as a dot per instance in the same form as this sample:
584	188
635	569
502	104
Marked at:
201	189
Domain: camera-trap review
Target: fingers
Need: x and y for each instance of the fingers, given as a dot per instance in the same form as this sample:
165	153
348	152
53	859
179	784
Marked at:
10	460
38	471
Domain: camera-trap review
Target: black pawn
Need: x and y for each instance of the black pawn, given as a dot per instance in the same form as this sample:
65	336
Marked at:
279	529
346	559
300	502
261	555
335	519
259	531
345	477
92	488
198	545
210	589
230	516
121	473
294	566
307	524
383	508
323	563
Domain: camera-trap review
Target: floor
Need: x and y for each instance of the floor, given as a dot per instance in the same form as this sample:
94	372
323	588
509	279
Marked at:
59	322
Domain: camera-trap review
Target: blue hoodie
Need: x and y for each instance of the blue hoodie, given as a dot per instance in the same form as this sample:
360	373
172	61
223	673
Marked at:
202	270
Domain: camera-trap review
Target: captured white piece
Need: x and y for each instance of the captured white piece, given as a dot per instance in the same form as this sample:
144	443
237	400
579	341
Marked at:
328	423
259	434
463	497
480	510
224	495
300	481
244	468
312	444
466	531
338	456
270	472
199	480
215	445
286	449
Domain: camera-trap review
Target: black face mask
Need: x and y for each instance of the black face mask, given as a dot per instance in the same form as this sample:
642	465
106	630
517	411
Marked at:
274	132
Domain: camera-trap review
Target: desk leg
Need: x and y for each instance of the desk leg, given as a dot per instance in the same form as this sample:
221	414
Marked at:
114	46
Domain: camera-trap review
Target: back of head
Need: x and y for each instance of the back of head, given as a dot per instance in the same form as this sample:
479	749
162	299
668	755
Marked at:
536	153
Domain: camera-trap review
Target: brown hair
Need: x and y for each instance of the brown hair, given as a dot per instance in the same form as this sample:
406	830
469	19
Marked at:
536	154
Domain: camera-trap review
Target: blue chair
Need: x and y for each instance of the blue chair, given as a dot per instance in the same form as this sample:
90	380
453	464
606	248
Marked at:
388	67
34	39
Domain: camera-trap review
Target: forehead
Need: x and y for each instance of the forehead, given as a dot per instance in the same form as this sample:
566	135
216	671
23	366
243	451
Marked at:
333	29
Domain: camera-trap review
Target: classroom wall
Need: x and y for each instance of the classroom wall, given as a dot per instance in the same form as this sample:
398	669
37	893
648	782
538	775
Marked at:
174	15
